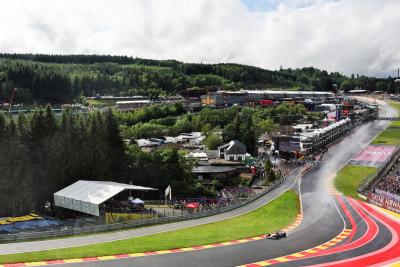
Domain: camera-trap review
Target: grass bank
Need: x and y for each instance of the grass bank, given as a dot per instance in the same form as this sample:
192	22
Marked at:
276	215
350	177
390	136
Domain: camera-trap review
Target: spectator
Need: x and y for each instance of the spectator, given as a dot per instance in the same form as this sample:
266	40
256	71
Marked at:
390	184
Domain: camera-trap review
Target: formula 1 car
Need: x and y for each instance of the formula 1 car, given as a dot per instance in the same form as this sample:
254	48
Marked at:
277	235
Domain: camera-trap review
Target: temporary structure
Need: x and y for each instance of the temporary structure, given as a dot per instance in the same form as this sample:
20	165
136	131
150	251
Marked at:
86	196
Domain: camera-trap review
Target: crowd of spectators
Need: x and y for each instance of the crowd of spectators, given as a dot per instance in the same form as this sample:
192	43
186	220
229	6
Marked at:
390	184
240	192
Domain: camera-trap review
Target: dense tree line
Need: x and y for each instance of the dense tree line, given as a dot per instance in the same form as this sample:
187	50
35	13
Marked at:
35	83
41	154
370	84
62	78
151	112
161	168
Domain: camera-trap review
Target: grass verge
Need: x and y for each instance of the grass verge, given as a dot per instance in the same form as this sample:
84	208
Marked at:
390	136
276	215
349	178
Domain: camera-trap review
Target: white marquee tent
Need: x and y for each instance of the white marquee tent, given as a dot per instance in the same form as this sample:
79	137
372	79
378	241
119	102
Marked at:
86	196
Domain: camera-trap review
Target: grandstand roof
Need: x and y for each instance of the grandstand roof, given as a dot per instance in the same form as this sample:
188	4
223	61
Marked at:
288	92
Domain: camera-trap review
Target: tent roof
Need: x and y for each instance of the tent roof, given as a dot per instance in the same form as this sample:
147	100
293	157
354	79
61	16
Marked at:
96	192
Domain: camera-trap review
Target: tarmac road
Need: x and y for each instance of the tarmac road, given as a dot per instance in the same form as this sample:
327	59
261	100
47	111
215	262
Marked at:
10	248
322	220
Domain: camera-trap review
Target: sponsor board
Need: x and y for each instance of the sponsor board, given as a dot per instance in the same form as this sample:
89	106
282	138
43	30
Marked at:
374	155
384	202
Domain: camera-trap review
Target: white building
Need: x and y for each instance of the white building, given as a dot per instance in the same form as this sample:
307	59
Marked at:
193	138
233	151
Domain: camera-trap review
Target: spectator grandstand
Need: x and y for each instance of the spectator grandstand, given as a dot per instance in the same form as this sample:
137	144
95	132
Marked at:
391	183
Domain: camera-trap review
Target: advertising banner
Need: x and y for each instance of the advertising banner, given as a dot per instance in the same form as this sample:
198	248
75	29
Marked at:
374	155
384	202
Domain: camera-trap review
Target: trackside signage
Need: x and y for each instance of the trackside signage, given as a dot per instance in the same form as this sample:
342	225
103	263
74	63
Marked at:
384	202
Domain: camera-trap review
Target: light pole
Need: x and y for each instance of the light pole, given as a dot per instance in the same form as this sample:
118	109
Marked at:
397	85
11	100
397	81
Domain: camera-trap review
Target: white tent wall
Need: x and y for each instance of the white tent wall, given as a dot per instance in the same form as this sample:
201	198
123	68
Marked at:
77	205
85	207
94	209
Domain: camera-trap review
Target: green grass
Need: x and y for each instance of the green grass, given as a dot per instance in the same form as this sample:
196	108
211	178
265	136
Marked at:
271	217
349	178
390	136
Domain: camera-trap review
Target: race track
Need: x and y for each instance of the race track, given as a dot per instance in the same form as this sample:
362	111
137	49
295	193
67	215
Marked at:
324	218
371	238
31	246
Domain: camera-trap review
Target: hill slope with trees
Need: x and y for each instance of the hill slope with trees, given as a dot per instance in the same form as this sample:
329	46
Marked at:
63	78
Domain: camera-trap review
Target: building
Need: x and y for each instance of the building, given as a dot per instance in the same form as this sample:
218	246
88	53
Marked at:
233	151
225	164
308	141
207	173
222	99
193	138
358	92
132	104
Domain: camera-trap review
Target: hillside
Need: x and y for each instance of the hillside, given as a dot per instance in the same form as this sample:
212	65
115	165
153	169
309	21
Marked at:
62	78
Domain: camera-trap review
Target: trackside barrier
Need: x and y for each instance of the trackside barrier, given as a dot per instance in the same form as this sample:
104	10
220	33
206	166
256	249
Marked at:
314	166
139	223
147	222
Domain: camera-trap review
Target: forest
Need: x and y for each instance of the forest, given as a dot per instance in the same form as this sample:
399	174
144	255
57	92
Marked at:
42	153
59	79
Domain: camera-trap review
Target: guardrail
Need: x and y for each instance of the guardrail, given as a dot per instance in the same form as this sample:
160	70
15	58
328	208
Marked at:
146	222
133	224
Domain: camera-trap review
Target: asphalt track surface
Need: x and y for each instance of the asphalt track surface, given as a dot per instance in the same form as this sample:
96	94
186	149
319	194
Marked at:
31	246
322	221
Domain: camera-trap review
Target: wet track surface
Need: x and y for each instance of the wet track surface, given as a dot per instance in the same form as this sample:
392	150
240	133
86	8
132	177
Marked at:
99	238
